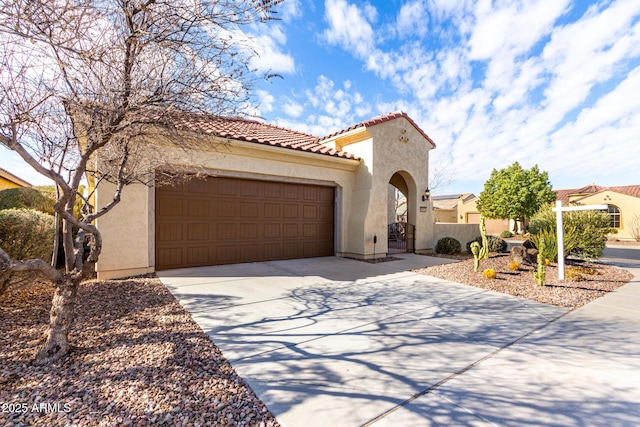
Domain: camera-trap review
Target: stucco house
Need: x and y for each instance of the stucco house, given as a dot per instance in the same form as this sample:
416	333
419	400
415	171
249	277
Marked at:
273	193
9	180
623	202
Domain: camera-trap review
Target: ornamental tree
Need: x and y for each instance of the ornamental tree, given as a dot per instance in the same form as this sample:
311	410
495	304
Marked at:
84	82
515	193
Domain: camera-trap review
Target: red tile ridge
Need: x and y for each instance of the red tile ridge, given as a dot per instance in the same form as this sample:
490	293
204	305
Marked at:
382	119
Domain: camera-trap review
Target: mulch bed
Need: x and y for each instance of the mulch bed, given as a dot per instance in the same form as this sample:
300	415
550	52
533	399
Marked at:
137	359
521	283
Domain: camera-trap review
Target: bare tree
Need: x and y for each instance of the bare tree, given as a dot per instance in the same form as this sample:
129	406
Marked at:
84	83
440	175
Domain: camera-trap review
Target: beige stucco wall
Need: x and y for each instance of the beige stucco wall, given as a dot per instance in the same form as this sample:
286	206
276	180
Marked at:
445	215
629	207
393	146
465	208
462	232
5	184
362	192
128	230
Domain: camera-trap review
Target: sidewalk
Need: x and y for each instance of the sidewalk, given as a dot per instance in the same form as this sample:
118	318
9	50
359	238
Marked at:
581	370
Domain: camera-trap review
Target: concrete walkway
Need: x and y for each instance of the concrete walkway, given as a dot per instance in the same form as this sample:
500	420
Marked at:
337	342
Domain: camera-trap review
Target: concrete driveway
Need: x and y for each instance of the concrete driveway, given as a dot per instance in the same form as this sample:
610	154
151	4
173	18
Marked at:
337	342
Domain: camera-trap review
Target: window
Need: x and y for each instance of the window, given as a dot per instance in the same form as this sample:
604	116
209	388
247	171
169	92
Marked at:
614	214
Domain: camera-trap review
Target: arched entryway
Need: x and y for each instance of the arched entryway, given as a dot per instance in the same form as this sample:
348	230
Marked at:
400	228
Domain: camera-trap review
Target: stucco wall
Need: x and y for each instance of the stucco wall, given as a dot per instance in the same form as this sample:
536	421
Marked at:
629	207
445	215
396	146
462	232
5	184
128	230
391	147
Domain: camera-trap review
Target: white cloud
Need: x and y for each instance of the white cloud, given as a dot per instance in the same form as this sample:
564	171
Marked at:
350	26
413	19
270	57
266	101
292	108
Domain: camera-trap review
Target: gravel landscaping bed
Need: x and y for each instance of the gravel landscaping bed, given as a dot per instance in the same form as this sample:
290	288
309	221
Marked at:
137	359
568	293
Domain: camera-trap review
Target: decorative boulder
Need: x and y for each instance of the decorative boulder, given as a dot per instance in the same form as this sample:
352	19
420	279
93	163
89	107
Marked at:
522	255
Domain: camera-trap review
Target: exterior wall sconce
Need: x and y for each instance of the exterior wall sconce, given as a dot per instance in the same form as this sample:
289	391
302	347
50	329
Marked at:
426	195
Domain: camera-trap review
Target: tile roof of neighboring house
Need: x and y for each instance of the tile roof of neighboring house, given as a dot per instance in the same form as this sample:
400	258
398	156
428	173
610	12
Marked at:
11	177
382	119
255	131
629	190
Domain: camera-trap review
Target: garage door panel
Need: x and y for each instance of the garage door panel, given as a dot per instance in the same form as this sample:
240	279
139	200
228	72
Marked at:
226	209
170	257
249	231
249	210
225	220
197	255
171	232
197	231
310	212
272	211
272	231
226	231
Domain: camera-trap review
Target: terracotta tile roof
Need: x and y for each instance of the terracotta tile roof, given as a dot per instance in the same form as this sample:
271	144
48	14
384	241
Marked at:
254	131
629	190
382	119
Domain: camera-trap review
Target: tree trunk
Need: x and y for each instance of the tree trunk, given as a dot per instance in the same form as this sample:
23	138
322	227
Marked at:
60	321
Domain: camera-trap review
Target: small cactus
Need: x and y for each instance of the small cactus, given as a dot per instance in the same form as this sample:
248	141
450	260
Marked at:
489	273
484	251
514	266
540	274
475	250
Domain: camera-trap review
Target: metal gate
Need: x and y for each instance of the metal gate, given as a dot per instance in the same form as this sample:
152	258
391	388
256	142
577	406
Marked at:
401	237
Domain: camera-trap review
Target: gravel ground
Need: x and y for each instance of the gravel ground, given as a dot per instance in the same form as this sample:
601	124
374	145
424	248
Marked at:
137	359
569	294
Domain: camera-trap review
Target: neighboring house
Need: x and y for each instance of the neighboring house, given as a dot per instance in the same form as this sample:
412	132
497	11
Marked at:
272	193
9	180
623	202
445	208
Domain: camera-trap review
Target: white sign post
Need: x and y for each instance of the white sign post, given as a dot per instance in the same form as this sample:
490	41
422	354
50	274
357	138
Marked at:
558	210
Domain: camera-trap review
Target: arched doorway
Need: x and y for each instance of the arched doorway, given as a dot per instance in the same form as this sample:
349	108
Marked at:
400	228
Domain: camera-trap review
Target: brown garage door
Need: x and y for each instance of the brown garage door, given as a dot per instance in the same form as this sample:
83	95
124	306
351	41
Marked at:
226	220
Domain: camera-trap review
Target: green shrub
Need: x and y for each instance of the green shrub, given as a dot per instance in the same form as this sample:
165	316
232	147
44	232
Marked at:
28	198
26	234
585	232
448	246
506	234
495	244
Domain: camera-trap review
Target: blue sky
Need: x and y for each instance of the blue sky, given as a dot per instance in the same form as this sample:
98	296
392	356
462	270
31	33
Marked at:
550	82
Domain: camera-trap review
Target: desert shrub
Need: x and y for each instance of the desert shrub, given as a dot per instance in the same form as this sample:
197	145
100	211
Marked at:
489	273
571	273
514	266
506	234
27	198
496	244
584	270
585	232
26	233
448	246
